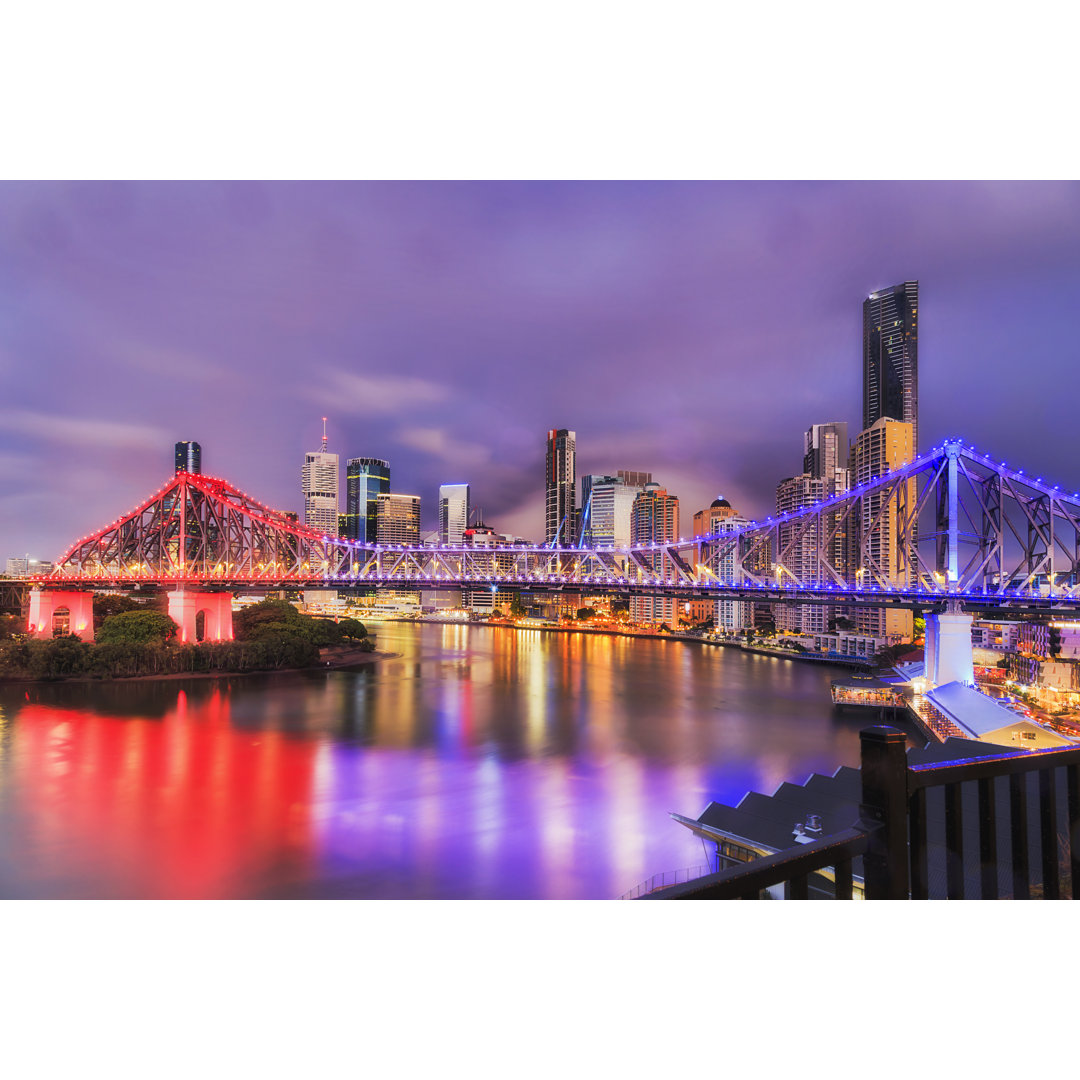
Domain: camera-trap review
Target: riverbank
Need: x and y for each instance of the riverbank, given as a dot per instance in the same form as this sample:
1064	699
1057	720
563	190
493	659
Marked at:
782	654
331	657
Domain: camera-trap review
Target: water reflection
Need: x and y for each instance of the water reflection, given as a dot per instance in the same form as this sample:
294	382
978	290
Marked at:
478	763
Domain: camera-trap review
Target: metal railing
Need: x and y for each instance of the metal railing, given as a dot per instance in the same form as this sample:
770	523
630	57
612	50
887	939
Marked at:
668	877
903	839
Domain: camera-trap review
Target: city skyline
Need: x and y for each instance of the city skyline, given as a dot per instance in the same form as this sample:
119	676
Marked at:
692	330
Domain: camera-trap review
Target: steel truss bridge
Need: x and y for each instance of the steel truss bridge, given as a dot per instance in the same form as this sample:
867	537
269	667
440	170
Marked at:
953	525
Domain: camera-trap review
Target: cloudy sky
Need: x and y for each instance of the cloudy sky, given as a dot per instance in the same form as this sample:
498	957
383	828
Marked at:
691	329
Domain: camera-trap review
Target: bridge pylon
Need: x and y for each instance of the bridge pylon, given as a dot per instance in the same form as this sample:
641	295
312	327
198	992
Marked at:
61	611
185	606
947	651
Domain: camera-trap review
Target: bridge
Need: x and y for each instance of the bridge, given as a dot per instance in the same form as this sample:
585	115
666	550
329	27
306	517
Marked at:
954	529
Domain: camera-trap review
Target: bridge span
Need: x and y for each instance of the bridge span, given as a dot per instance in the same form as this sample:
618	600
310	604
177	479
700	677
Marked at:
952	528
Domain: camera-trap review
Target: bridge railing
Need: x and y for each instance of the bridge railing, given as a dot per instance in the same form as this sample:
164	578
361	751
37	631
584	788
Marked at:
977	841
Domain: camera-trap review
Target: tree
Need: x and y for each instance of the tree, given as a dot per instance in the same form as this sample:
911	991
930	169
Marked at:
136	628
106	604
11	626
841	622
269	618
516	606
353	629
586	612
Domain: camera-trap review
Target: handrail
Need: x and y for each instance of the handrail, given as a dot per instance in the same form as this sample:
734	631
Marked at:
747	880
1016	761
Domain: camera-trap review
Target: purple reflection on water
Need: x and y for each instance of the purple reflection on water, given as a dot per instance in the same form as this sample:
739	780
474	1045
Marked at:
478	763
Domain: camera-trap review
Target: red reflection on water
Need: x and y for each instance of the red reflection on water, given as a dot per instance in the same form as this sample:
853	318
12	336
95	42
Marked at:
181	806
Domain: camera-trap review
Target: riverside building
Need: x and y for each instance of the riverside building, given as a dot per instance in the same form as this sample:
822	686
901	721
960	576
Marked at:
453	512
654	520
891	356
319	480
607	504
366	478
560	473
398	519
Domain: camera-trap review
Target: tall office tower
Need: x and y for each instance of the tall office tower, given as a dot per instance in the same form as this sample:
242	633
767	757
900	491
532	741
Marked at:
634	479
560	526
453	513
607	503
706	521
654	520
876	556
825	449
319	478
891	356
188	457
366	478
398	519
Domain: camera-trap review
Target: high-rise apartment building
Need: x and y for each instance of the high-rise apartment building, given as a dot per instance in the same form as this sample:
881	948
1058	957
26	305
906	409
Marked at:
561	465
188	457
891	356
398	519
825	449
607	503
706	521
654	520
366	478
319	479
633	478
453	512
732	616
875	550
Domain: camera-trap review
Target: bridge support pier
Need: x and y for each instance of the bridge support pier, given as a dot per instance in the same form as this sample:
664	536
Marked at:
947	652
60	611
185	606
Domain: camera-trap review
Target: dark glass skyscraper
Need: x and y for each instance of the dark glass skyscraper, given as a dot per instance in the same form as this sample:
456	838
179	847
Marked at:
188	457
561	474
891	356
366	478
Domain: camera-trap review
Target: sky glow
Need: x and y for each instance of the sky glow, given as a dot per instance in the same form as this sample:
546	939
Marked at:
694	330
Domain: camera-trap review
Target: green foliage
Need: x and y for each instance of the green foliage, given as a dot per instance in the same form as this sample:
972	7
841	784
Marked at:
136	628
586	612
11	626
352	629
516	606
106	604
269	618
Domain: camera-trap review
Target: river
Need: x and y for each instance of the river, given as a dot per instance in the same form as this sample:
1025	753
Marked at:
478	763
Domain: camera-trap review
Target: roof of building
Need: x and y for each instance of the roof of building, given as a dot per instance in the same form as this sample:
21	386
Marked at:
719	501
861	682
971	710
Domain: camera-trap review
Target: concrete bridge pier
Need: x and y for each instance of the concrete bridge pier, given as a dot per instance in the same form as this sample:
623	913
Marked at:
185	606
61	611
948	656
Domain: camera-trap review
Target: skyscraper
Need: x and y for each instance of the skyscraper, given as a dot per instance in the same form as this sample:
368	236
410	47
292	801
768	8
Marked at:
606	506
655	520
188	457
825	449
366	478
453	513
561	473
319	478
398	519
891	356
875	547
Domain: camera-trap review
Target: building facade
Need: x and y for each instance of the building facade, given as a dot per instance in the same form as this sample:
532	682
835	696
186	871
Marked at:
319	479
453	512
398	519
655	520
876	555
560	527
366	478
891	356
187	457
607	504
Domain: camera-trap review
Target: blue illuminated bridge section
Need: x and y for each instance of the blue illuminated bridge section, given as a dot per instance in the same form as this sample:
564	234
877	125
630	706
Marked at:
953	525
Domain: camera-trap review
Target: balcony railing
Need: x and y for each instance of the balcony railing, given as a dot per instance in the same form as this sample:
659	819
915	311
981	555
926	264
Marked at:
964	829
